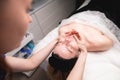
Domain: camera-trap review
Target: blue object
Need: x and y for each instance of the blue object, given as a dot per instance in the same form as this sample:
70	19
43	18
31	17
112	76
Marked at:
27	51
31	45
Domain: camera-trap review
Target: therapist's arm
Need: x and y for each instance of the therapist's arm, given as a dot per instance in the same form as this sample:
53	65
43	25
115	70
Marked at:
18	64
78	69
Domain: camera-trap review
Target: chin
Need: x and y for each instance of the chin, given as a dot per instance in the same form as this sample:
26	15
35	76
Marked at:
11	48
19	44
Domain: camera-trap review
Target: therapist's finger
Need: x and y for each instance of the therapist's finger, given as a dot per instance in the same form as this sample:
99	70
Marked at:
81	45
77	39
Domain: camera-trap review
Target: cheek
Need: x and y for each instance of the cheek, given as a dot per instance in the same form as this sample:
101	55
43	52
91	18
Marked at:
22	24
23	27
74	45
18	18
17	29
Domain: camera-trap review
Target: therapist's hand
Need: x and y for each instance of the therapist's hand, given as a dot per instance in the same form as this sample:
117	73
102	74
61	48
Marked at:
81	44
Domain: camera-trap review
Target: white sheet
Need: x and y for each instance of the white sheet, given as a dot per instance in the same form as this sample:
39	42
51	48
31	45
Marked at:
99	65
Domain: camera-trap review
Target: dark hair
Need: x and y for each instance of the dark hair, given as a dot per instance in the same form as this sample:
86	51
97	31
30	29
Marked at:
64	65
59	68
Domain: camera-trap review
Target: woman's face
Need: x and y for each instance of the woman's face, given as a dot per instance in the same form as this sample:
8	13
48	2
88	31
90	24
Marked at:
14	20
67	47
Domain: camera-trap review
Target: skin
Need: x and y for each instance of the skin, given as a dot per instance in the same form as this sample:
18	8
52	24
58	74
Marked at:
14	25
75	40
14	21
67	46
79	63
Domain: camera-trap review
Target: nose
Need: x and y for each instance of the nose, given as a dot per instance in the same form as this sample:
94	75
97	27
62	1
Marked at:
29	18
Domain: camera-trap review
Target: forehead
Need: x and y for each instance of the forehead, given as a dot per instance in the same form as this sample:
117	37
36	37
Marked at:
8	2
18	3
25	2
